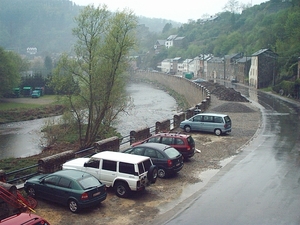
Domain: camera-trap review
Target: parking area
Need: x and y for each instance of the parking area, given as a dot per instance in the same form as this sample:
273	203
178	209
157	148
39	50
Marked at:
143	207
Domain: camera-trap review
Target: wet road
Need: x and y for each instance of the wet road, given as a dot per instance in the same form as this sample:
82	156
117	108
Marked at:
261	185
22	139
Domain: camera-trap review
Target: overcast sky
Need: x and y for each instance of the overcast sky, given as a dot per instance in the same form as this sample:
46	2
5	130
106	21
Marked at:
180	11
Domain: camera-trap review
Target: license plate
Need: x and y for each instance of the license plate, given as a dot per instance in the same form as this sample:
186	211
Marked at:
96	194
177	164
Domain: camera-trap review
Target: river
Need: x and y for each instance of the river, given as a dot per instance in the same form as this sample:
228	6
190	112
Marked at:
23	139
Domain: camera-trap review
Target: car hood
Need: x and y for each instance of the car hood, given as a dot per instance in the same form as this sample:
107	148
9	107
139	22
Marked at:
76	162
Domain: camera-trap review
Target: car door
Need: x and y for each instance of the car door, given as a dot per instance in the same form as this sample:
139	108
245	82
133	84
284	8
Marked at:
93	167
155	157
197	123
63	190
47	189
108	171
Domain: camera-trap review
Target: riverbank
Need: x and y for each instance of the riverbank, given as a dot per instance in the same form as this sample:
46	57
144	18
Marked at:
23	109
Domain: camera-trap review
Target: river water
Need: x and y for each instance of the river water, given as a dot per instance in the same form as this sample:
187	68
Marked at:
22	139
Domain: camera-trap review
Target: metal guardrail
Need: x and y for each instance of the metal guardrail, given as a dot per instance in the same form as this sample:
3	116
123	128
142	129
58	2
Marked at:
18	177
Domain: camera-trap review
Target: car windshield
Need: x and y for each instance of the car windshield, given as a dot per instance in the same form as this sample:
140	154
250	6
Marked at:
171	152
88	181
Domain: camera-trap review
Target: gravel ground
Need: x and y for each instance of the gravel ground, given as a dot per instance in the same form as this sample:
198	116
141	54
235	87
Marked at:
142	208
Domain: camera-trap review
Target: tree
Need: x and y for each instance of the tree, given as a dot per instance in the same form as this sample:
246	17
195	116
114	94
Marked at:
94	80
11	64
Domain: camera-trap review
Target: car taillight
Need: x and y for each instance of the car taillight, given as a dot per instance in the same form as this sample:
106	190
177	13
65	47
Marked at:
84	196
170	163
189	148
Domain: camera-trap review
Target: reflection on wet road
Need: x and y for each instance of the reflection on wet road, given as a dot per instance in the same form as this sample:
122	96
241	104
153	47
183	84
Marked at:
261	185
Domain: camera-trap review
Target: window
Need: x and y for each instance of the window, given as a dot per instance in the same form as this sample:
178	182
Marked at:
197	118
150	153
127	168
154	139
218	119
167	140
138	151
208	119
64	182
51	180
109	165
94	163
178	141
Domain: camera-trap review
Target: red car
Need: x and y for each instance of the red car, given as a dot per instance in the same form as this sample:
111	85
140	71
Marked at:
183	143
24	218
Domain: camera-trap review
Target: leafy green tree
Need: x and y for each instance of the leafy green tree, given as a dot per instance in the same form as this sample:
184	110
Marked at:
98	68
11	66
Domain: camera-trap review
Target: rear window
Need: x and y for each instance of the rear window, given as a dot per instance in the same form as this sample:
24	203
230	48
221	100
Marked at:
144	166
227	119
191	141
126	168
171	152
88	181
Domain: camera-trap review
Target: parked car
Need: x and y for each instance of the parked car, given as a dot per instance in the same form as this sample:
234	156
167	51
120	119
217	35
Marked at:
167	159
36	94
125	173
76	189
208	122
24	218
199	80
184	143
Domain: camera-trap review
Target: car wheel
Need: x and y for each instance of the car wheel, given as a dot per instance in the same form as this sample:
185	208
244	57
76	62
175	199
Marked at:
161	173
31	191
218	132
122	190
187	129
73	206
152	174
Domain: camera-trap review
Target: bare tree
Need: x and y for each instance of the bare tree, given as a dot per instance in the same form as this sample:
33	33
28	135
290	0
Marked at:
232	6
94	80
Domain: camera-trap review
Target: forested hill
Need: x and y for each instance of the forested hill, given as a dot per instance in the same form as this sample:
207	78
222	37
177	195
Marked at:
273	24
46	25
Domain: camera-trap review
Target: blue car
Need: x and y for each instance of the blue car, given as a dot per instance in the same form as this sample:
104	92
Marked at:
73	188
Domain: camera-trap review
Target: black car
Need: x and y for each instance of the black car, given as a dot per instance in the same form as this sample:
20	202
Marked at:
73	188
168	160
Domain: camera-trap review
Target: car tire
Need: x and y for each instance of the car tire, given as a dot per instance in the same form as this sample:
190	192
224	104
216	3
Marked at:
152	174
31	192
161	173
122	189
187	129
218	132
73	206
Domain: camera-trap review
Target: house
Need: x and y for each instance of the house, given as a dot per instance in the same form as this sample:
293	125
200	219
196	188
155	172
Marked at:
173	40
169	66
159	44
263	68
242	68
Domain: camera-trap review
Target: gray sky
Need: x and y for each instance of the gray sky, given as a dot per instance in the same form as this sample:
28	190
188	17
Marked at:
180	11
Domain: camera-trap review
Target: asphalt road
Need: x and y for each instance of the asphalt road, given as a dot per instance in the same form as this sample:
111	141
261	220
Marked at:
262	184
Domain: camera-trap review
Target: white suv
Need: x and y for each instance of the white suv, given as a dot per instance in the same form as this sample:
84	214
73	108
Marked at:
123	172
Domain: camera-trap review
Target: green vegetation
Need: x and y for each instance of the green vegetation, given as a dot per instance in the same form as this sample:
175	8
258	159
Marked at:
94	81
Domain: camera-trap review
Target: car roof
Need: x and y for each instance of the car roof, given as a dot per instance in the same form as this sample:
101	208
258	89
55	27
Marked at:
120	156
72	174
212	114
158	146
21	218
171	135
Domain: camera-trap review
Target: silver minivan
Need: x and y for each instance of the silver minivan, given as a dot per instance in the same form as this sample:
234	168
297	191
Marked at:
208	122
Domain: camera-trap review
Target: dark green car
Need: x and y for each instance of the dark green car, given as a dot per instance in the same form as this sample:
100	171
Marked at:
76	189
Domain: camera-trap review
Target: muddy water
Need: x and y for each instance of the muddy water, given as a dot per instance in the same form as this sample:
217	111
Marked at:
22	139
